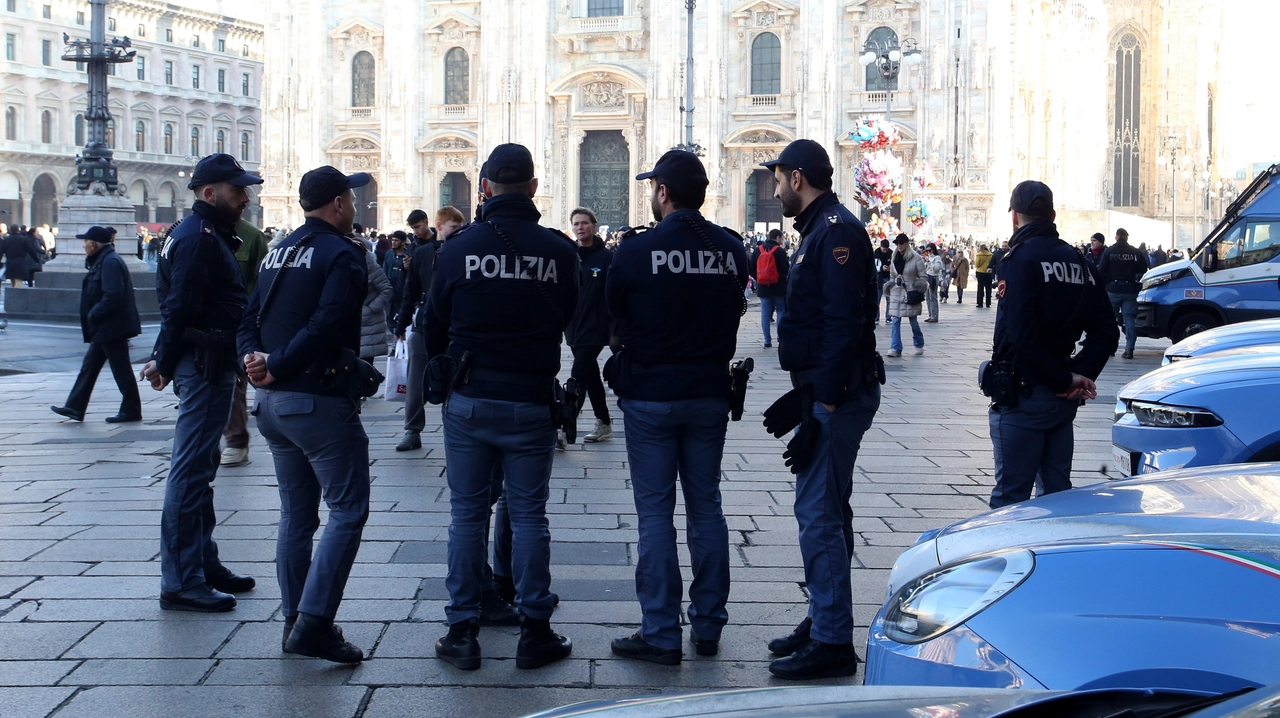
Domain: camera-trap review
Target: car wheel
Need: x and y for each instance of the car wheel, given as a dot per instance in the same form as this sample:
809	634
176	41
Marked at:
1191	323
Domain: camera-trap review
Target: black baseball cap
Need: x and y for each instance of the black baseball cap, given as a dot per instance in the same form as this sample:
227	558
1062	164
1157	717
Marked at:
319	186
901	238
1026	194
484	171
221	167
509	164
679	168
101	235
805	155
1099	236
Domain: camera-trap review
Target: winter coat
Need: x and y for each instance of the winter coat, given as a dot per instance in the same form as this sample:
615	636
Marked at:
108	310
911	278
960	271
591	324
771	291
373	321
20	256
982	262
933	266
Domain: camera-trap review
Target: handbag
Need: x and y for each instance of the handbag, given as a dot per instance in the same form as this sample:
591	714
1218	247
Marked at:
914	297
397	373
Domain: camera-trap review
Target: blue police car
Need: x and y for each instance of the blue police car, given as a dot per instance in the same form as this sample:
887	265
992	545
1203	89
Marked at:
1200	412
1165	581
1260	332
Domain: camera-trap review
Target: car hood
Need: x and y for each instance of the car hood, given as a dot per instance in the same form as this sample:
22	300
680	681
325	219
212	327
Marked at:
1198	505
1255	333
1167	268
1220	368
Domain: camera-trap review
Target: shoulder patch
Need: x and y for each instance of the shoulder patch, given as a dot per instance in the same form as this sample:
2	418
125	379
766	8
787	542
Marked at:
840	254
834	218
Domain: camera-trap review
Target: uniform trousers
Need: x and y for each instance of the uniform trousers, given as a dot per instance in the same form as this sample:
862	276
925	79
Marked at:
586	369
187	548
415	415
115	353
666	440
823	490
1033	440
1125	307
320	449
481	435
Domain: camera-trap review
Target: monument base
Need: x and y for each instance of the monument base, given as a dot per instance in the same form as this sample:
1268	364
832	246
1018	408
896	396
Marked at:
94	206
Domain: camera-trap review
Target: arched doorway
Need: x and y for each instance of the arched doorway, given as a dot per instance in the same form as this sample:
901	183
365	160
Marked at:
455	190
367	204
762	207
11	199
44	202
138	198
165	211
604	168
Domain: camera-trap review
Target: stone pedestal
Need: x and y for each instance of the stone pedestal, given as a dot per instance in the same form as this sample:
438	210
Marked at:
94	206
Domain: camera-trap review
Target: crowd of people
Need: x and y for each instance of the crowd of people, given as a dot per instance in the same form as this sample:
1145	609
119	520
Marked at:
23	252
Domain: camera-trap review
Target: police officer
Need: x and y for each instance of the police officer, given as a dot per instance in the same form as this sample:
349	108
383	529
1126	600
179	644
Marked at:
305	311
1049	296
827	342
420	265
677	291
1122	266
202	299
502	294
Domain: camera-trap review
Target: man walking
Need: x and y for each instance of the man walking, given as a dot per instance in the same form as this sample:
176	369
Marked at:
418	268
591	328
769	268
1122	267
982	272
884	260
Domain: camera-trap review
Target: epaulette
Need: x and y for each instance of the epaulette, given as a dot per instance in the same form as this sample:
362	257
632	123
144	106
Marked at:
634	231
833	217
733	233
566	237
464	228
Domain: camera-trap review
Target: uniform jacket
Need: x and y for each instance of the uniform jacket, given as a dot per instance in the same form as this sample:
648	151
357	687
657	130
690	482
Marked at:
1049	296
482	302
417	283
910	279
960	271
771	291
997	256
591	325
1122	267
198	282
678	305
373	324
253	247
982	262
108	310
315	311
831	301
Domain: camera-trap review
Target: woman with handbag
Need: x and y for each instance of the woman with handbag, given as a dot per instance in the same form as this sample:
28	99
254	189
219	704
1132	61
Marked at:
906	294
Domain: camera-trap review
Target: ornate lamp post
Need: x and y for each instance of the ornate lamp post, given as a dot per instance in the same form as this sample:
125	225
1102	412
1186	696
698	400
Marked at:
889	57
1173	154
687	108
94	163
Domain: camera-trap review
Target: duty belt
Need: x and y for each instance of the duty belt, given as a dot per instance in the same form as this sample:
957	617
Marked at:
692	367
524	381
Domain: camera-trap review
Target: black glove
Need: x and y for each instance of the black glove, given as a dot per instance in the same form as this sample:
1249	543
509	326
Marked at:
800	449
784	414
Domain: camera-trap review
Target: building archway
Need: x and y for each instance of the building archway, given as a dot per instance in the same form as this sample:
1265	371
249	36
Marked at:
11	199
138	198
166	212
455	190
604	164
44	201
763	209
367	204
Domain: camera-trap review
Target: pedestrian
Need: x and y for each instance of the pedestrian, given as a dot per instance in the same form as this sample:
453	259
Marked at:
108	319
591	328
1158	257
1097	245
960	274
672	374
373	327
302	325
828	344
883	256
20	257
933	276
1049	297
907	287
769	267
997	255
202	299
982	272
1121	267
235	437
944	279
420	265
499	413
395	265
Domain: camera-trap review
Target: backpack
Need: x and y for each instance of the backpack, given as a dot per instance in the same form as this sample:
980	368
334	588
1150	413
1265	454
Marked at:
767	268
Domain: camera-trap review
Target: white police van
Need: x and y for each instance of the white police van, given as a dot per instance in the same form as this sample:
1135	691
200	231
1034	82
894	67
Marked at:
1233	276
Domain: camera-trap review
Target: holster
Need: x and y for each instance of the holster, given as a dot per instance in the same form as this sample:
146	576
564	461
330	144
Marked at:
568	404
999	381
617	371
873	372
348	373
741	374
214	351
444	374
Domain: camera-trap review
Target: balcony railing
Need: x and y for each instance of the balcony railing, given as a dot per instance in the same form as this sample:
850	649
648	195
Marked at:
903	100
764	104
764	100
359	115
454	113
621	33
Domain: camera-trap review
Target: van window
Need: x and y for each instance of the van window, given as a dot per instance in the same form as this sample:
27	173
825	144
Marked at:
1249	243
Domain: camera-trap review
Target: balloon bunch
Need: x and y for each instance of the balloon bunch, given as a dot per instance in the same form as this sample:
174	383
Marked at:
918	212
882	226
878	179
921	179
873	133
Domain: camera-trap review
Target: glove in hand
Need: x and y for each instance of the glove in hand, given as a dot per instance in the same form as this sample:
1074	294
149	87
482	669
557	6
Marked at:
800	449
784	415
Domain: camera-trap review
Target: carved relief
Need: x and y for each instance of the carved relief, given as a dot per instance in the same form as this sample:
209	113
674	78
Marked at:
975	218
762	137
454	161
604	94
766	18
453	144
358	143
361	38
362	163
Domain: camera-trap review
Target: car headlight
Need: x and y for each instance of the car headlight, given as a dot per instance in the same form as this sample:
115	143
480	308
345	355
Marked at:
940	600
1177	417
1122	408
1163	279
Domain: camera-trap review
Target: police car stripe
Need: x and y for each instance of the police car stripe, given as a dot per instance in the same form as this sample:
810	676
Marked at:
1238	558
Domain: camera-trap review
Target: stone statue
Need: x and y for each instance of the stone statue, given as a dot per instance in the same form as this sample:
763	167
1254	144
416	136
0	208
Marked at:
977	144
937	74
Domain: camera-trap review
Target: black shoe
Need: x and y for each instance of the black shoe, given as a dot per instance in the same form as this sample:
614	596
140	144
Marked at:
203	598
123	419
318	637
505	587
816	659
288	628
634	646
1127	355
229	582
460	646
412	440
539	645
71	414
787	645
767	345
496	612
704	646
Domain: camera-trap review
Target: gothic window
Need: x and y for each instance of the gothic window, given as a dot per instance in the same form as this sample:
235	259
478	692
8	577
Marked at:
220	142
881	37
457	77
195	141
604	171
46	127
111	133
362	80
1127	122
244	146
168	139
79	129
604	8
10	123
139	136
766	65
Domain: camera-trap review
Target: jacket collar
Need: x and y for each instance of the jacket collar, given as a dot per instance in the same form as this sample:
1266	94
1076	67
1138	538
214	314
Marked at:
510	206
96	258
806	220
1034	229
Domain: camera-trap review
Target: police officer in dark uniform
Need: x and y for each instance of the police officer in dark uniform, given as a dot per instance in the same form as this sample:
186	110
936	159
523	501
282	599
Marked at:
202	298
677	291
1122	266
421	263
304	313
502	294
827	342
1049	296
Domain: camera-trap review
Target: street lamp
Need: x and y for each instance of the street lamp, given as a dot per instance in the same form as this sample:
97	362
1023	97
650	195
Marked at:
687	108
889	57
1170	156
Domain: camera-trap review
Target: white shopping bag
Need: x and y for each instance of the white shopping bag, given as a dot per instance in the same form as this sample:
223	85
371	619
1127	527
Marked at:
397	385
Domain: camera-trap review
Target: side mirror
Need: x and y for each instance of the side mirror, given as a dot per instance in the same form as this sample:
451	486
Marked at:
1210	263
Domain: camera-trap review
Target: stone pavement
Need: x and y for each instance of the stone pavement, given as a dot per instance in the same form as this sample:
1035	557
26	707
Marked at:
81	633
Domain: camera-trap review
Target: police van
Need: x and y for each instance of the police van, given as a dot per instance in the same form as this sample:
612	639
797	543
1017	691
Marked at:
1233	276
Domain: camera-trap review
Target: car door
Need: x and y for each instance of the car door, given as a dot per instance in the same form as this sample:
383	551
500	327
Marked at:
1245	280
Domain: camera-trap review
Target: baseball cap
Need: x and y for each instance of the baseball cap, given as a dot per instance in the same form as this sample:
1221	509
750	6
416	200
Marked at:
319	186
1026	194
678	167
509	164
101	235
805	155
221	167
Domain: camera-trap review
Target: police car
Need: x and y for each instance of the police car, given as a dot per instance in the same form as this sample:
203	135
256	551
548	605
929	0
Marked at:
1233	276
1261	332
1200	412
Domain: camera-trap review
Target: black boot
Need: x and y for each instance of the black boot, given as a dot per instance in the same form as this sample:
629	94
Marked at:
318	637
496	612
203	598
227	581
787	645
539	645
461	645
634	646
288	629
816	659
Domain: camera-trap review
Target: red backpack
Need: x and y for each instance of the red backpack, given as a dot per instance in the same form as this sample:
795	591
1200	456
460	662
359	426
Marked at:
767	267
